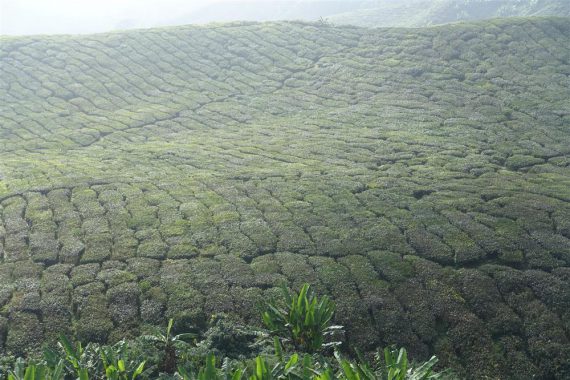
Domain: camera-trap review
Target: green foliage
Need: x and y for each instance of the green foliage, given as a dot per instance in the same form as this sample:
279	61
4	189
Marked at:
122	361
118	365
80	360
355	371
418	177
302	319
398	367
36	371
168	343
226	336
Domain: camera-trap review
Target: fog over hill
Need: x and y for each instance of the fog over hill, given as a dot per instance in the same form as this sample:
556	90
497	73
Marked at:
26	17
421	177
436	12
374	13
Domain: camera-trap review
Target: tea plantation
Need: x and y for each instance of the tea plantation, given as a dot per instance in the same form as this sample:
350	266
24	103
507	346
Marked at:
420	177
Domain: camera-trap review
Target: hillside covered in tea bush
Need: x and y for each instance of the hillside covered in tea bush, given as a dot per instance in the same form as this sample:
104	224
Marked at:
421	178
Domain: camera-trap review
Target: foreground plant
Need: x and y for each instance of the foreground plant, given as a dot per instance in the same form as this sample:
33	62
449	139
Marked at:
36	371
118	364
303	319
80	359
310	367
210	372
168	343
397	367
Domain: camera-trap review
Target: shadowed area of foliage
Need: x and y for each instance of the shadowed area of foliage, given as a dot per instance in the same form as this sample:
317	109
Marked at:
214	355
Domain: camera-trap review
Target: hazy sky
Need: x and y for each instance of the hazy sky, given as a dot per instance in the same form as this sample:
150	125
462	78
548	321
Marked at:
87	16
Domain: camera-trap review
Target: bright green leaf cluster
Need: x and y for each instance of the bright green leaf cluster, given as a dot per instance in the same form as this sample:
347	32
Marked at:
303	319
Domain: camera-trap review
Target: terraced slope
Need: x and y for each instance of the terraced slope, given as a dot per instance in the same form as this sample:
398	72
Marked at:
420	177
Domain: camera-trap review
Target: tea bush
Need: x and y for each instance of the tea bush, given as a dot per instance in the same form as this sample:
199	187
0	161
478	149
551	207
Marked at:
419	177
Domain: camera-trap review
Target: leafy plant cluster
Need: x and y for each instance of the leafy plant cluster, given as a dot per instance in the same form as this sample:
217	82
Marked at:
298	326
